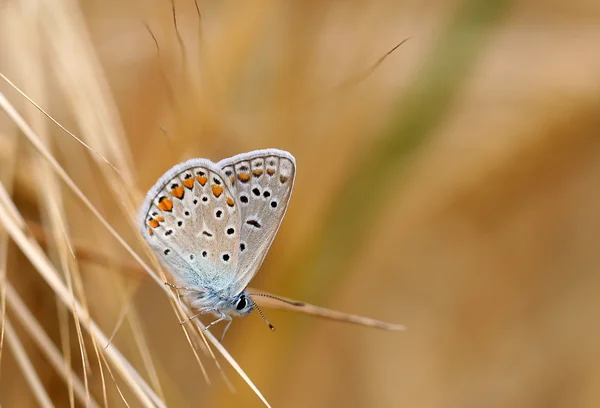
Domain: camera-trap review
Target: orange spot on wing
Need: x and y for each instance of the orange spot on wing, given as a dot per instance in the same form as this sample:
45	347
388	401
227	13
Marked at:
217	190
153	223
202	180
165	204
270	172
243	177
159	219
150	232
257	172
178	192
283	179
230	201
231	179
189	183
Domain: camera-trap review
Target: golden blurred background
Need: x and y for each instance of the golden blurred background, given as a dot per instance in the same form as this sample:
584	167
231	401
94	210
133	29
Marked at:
453	188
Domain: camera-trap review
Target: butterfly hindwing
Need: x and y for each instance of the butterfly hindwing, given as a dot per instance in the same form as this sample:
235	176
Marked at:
262	183
192	221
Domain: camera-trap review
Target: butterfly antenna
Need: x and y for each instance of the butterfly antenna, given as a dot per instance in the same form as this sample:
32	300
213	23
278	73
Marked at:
289	302
262	315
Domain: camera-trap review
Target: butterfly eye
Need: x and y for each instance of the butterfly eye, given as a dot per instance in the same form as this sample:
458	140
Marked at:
241	303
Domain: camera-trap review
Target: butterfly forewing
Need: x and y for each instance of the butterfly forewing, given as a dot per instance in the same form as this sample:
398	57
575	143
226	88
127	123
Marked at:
262	183
192	221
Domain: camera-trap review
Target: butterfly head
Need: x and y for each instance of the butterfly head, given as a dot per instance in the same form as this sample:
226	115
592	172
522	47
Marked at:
242	304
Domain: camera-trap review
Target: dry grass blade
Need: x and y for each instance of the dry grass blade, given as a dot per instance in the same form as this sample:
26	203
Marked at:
15	345
161	70
361	76
45	344
7	163
77	68
15	226
217	344
88	253
47	155
35	141
65	340
51	201
3	256
61	253
9	109
318	311
96	152
179	39
120	321
180	313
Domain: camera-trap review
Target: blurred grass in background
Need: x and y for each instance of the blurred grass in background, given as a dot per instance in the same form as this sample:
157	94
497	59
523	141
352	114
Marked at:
454	190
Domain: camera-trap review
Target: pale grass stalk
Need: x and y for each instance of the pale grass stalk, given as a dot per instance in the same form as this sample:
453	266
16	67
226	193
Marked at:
15	345
54	214
9	109
16	227
39	146
77	68
31	101
198	334
163	75
9	142
67	360
3	281
66	19
180	312
112	376
51	199
37	333
30	52
307	308
182	315
120	320
184	61
137	331
8	156
361	76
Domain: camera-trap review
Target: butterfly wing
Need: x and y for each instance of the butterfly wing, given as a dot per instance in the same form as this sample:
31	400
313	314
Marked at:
192	222
262	183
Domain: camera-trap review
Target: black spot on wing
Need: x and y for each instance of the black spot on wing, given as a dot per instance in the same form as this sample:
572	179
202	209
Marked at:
254	223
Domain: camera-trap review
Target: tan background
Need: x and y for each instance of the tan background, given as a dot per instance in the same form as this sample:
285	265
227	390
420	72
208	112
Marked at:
456	190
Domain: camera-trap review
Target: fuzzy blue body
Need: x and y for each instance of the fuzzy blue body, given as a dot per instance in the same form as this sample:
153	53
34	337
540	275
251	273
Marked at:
215	303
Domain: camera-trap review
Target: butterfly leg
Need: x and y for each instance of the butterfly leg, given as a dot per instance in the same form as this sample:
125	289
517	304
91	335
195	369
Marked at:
229	321
169	284
189	319
222	317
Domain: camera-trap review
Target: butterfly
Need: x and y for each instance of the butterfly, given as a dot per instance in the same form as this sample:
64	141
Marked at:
212	224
